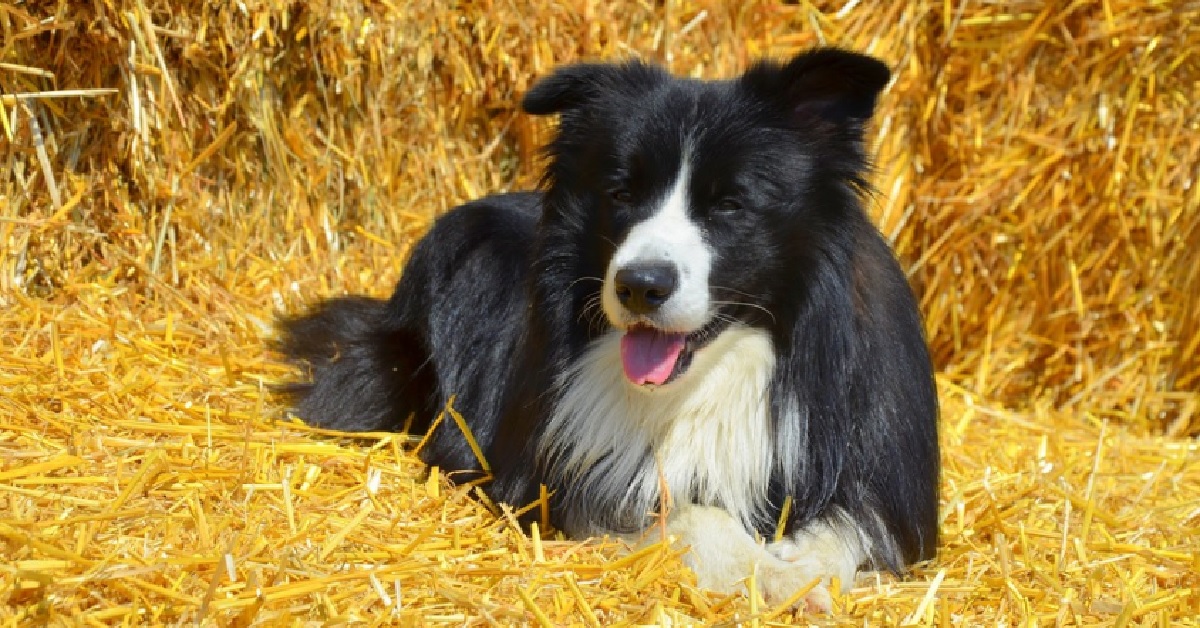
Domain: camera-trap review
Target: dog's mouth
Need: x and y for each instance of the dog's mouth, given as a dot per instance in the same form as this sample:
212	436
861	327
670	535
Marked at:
651	356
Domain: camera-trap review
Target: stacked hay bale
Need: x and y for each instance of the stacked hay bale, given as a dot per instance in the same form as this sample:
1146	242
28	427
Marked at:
178	172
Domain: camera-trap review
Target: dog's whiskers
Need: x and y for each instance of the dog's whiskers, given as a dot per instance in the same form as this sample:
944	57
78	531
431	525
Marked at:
596	279
747	304
592	314
736	291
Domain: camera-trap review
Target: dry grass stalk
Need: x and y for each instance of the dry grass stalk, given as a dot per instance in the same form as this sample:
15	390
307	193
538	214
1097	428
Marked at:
1037	171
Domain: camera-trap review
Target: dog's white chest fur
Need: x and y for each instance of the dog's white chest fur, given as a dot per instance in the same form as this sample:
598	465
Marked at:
709	433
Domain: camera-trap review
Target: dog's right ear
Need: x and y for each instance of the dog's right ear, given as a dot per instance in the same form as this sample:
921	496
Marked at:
574	86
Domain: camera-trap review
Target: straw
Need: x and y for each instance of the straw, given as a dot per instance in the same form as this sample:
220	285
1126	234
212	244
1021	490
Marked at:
178	173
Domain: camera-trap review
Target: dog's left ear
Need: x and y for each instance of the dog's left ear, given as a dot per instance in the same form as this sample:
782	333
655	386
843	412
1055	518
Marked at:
825	84
567	88
576	86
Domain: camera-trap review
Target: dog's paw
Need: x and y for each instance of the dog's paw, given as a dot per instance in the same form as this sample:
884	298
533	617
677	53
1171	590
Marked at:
779	581
723	554
801	560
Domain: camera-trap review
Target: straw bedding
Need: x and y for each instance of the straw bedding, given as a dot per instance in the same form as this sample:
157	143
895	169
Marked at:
175	174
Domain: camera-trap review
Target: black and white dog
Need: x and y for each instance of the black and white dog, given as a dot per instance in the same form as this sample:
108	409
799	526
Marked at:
694	306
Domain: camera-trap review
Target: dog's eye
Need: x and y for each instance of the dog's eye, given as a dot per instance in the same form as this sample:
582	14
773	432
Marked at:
621	195
729	205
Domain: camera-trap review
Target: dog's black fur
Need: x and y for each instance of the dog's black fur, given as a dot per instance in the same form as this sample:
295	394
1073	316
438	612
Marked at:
493	305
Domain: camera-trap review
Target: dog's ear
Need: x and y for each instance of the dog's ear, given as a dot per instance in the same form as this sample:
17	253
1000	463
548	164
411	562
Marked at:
826	84
574	86
567	88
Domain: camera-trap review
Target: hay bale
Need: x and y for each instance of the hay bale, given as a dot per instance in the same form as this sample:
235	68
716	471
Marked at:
178	172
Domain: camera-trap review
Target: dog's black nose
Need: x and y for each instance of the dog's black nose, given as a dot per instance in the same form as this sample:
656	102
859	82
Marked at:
642	289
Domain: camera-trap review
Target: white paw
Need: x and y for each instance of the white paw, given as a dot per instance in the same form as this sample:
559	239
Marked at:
780	580
726	567
723	555
804	558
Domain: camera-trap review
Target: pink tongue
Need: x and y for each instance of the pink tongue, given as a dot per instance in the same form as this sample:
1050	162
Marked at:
649	356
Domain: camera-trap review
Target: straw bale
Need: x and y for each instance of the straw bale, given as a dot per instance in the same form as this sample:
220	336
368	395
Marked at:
176	173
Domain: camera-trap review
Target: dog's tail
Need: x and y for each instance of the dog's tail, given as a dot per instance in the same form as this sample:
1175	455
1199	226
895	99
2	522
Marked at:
363	374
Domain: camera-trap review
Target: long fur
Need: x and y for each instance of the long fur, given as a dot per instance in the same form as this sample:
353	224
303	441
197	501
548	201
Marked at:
815	385
712	449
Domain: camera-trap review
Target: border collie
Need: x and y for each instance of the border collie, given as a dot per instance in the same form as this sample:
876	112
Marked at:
694	315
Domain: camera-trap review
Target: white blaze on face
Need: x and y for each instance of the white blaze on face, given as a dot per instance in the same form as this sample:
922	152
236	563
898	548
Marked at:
668	236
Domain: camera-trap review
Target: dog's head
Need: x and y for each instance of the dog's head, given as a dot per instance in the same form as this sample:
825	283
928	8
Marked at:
701	204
